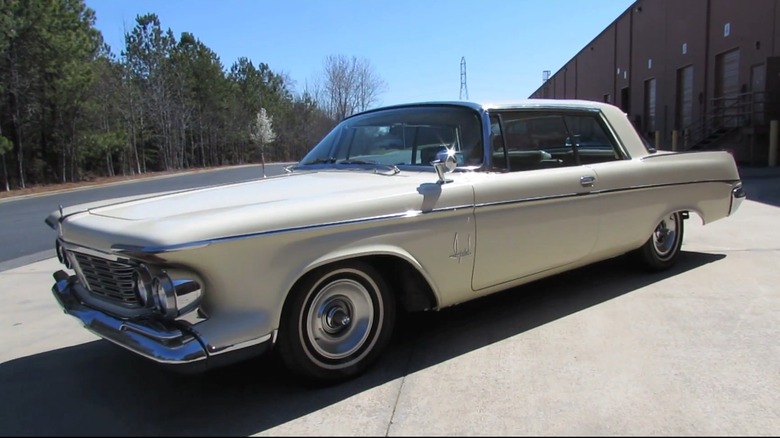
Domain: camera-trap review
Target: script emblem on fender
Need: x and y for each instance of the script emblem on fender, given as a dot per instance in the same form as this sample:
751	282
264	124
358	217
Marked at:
460	253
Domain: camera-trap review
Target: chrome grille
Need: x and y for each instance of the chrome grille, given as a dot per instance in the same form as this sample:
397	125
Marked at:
107	279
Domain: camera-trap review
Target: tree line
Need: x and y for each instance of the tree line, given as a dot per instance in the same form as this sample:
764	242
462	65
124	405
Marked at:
71	109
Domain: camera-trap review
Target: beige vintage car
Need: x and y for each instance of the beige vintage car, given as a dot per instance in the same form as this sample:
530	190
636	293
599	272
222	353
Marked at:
416	207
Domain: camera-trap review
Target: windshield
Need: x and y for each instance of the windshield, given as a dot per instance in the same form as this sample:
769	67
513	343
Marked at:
402	136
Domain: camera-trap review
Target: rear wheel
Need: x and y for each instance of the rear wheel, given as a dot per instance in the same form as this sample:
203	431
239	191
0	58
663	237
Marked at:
663	247
336	322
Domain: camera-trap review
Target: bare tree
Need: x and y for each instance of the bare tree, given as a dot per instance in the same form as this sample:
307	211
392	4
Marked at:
349	85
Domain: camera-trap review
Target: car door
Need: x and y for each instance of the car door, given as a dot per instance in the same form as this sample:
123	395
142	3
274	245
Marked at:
631	194
541	213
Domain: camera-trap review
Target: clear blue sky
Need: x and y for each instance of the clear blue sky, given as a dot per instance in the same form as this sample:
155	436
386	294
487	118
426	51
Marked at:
414	45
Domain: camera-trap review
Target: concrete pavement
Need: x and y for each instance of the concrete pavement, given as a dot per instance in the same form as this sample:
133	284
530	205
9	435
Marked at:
605	350
762	183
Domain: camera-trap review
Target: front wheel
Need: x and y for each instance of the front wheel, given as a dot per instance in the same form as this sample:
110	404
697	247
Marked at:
336	322
663	247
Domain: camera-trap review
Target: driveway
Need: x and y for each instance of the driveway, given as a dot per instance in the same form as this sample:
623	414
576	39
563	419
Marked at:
605	350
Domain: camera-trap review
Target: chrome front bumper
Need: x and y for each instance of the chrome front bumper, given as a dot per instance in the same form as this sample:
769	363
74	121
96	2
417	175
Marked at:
164	342
738	195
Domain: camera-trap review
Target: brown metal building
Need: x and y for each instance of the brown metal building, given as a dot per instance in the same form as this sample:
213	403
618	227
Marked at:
691	74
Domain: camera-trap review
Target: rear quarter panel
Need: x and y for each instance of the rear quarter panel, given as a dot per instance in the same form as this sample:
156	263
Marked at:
636	194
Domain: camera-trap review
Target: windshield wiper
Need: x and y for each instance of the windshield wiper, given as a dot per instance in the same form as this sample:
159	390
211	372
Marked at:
328	160
350	161
392	168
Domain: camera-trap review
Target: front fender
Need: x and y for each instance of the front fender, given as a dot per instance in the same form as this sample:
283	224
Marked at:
368	250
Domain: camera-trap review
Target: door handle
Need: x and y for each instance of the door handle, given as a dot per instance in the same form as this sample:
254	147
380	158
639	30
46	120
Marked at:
587	181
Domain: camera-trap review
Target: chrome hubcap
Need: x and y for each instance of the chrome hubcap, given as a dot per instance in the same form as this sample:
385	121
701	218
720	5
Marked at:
340	319
337	316
665	236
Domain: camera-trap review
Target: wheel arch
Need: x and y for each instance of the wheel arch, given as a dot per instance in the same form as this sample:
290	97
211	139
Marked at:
684	211
651	225
403	274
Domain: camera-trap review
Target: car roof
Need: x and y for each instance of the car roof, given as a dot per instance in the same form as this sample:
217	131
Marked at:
508	105
546	103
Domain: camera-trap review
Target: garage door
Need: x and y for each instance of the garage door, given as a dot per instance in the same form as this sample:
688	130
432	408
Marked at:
727	86
684	97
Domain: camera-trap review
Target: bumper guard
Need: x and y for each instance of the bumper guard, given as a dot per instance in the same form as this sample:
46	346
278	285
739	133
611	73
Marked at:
149	338
738	195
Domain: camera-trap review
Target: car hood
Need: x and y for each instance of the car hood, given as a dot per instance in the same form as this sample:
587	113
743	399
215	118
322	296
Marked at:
272	204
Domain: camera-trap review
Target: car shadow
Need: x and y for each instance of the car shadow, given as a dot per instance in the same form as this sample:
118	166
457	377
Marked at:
98	389
763	187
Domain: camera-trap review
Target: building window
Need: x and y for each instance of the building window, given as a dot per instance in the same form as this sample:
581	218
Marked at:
727	29
685	48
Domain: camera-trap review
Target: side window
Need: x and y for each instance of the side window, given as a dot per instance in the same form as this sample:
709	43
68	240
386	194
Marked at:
542	139
593	143
536	140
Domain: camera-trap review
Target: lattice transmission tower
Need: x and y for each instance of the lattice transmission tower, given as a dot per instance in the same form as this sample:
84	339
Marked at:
464	89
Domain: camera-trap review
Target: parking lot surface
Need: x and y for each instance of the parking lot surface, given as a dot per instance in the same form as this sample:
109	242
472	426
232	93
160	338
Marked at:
603	350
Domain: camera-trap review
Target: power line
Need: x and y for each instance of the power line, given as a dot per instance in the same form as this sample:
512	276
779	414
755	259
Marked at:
464	89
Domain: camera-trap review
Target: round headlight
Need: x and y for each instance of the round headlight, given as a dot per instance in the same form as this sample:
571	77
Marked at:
142	285
164	295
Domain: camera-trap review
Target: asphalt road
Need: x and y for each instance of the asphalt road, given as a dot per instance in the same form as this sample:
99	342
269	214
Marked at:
26	238
605	350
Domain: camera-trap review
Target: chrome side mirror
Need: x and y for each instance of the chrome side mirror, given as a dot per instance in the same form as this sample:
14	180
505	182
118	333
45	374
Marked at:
445	163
